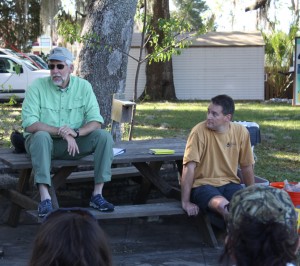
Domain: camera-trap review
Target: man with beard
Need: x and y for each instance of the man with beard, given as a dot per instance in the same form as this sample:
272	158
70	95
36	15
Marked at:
214	150
61	120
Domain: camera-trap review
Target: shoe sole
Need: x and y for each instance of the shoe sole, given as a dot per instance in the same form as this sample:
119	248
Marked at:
93	205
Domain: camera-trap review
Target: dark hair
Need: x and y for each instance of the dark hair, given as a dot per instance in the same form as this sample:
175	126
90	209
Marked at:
226	102
256	243
70	239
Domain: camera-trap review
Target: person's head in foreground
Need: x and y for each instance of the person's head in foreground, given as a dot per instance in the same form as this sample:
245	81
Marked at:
262	228
70	237
61	66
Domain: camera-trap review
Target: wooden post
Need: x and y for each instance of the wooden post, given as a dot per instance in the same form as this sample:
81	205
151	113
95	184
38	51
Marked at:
121	113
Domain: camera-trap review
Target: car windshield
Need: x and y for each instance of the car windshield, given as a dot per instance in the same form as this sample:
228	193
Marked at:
12	52
8	52
39	60
30	65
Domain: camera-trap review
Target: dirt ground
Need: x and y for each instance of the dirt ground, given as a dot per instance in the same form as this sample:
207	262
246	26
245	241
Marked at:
172	240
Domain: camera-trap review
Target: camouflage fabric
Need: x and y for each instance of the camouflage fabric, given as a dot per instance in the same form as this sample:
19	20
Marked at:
264	203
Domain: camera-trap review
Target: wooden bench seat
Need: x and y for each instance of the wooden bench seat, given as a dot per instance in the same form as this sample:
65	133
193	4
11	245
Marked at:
148	210
86	176
132	211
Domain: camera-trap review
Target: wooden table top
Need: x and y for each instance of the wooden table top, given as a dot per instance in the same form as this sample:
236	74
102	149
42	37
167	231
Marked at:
136	151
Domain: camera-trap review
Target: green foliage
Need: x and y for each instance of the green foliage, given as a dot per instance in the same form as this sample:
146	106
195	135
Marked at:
279	48
166	39
190	11
278	57
12	101
67	27
18	69
19	25
168	36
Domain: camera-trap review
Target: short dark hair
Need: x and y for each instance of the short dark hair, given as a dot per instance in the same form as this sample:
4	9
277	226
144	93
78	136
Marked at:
226	102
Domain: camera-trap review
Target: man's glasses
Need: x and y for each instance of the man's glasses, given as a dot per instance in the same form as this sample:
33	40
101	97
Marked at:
60	211
58	66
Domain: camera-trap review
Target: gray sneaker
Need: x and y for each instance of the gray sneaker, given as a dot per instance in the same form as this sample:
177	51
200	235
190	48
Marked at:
101	204
44	207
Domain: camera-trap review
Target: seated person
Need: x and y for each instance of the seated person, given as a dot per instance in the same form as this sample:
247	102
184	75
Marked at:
214	150
261	228
70	237
61	120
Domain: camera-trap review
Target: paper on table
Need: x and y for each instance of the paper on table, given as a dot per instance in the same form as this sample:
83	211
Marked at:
118	151
161	151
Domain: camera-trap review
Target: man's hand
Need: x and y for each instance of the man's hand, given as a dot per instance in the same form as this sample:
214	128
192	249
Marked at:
190	208
65	131
186	183
72	145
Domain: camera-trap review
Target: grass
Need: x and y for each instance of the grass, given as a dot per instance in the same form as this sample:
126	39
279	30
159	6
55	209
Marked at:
9	119
278	154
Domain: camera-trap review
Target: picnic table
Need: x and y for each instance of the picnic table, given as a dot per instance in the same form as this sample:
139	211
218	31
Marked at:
137	154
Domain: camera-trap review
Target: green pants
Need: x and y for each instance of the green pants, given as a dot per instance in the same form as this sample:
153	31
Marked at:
43	148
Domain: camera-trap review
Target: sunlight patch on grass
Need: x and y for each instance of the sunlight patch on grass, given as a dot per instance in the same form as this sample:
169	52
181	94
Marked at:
287	156
286	124
178	106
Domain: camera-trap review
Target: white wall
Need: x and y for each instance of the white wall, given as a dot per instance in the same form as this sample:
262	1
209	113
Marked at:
203	72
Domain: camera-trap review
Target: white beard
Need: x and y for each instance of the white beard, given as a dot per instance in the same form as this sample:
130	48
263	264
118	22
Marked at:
59	80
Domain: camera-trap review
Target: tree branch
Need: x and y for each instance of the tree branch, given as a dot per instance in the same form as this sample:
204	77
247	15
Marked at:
258	4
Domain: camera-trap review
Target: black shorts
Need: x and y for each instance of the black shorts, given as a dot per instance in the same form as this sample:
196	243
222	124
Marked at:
203	194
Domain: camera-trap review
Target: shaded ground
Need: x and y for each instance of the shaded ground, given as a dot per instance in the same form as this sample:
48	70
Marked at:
172	240
142	242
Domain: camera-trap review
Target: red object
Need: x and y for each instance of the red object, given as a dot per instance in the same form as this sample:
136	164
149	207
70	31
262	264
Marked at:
295	197
280	185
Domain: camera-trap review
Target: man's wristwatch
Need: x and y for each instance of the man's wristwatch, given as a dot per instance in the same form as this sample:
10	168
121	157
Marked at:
77	132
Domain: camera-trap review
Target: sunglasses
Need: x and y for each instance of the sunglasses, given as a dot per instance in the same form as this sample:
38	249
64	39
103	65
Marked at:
58	66
60	211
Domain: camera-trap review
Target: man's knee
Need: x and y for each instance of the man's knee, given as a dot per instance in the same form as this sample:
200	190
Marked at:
103	135
39	139
41	136
219	204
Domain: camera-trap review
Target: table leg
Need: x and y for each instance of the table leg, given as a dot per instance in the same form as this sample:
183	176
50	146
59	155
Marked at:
16	208
146	185
179	166
205	227
59	179
151	173
143	192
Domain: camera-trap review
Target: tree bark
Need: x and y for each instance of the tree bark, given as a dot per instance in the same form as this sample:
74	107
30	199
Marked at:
159	76
104	62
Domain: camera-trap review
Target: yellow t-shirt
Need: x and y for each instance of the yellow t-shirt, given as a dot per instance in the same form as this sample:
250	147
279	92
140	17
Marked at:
218	155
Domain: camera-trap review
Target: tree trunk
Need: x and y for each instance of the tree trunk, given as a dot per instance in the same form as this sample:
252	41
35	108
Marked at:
159	76
103	62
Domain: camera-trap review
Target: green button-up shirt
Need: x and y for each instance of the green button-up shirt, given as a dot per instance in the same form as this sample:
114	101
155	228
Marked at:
47	103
